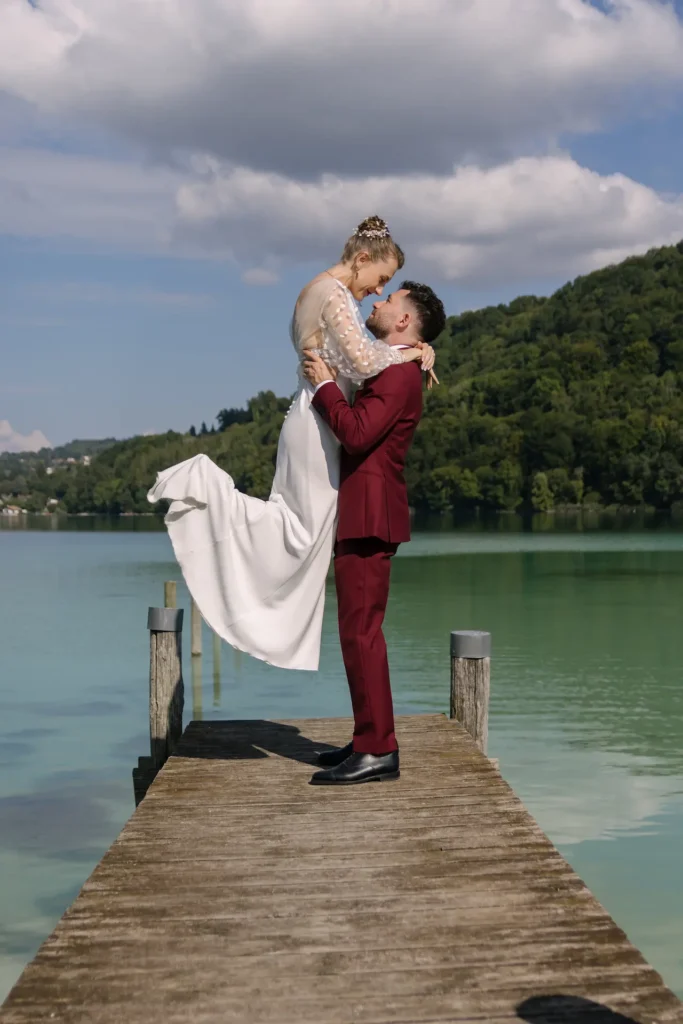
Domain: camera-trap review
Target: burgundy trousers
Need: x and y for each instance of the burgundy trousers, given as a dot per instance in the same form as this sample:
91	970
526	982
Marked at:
361	570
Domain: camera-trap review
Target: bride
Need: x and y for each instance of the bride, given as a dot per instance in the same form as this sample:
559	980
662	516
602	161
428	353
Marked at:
256	569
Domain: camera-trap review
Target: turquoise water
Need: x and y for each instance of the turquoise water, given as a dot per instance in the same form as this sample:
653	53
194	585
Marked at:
586	715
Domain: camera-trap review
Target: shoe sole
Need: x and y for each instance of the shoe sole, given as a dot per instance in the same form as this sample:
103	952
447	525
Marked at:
389	777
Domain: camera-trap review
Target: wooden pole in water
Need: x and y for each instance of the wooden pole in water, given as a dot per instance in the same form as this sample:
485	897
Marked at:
196	629
197	689
170	594
471	682
216	670
166	694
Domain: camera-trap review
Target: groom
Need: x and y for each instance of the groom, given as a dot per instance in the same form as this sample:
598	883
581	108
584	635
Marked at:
374	518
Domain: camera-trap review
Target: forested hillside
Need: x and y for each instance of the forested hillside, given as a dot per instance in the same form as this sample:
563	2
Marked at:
579	395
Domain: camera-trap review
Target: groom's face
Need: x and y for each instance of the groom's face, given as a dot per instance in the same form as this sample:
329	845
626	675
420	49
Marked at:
388	316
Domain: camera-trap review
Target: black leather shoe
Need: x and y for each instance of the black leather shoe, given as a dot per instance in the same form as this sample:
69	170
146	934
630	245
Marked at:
360	768
331	758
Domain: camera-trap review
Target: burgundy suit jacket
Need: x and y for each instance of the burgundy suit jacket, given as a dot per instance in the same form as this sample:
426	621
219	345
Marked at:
375	434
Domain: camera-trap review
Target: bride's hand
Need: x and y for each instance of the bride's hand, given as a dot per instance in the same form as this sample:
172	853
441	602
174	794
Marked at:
428	358
423	353
426	355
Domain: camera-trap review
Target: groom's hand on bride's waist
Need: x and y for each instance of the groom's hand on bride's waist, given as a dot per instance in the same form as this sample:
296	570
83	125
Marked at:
315	369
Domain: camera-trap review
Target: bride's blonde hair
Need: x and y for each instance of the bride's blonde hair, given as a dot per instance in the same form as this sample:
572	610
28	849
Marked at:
372	236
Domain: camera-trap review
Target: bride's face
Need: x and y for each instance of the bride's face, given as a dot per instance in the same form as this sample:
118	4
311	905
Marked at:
370	278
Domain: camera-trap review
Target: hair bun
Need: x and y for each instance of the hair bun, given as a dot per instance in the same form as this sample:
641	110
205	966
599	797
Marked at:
372	227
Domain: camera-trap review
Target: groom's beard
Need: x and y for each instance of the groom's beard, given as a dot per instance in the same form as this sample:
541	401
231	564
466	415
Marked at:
377	328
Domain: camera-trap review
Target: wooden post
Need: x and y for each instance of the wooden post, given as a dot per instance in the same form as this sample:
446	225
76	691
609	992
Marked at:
216	670
170	594
166	697
197	689
236	661
143	777
471	683
196	628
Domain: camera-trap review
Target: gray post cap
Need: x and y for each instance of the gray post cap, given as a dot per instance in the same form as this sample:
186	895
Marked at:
165	620
470	643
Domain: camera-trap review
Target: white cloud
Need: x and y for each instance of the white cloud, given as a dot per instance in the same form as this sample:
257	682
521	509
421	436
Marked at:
270	127
531	216
12	441
303	87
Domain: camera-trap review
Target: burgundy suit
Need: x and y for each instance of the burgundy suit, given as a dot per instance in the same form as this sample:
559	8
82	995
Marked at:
374	518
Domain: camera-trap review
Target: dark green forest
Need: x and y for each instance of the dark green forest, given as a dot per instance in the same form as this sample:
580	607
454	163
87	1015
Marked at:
568	400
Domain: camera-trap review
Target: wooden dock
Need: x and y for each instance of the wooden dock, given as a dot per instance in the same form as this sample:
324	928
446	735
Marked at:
239	893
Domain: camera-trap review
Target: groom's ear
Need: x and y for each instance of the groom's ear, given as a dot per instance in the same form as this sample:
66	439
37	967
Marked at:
404	321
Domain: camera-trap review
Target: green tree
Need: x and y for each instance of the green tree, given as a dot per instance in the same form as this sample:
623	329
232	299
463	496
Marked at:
542	498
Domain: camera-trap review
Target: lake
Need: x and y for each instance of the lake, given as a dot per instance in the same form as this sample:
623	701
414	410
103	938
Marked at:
586	712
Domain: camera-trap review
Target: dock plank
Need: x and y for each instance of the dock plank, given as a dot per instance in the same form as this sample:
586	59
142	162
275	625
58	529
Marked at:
238	893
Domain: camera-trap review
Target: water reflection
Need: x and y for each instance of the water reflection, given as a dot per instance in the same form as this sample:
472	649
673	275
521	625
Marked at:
216	642
196	660
586	641
469	522
147	523
58	819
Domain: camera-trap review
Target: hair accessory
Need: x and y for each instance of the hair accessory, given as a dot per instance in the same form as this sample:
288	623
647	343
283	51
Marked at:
372	232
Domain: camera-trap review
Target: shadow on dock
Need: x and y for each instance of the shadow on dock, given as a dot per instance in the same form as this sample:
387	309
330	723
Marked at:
248	739
245	740
558	1009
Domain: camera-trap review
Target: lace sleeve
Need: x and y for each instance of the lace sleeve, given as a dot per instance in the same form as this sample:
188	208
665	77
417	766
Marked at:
347	344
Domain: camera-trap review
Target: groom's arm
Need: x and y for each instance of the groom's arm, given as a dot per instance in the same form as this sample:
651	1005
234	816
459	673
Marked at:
374	413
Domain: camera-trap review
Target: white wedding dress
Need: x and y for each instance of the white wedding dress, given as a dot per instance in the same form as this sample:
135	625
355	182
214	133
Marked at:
256	569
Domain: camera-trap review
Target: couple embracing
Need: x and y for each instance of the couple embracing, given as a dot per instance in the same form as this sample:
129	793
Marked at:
256	569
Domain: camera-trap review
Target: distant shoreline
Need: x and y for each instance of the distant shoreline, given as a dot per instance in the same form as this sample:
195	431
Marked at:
460	517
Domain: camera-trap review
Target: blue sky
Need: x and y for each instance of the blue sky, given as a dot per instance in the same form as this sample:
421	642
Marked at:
146	179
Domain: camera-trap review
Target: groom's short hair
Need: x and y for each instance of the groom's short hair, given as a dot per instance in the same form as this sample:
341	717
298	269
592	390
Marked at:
431	316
